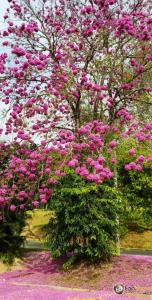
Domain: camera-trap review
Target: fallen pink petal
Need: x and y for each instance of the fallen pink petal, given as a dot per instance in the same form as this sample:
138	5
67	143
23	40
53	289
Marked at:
43	278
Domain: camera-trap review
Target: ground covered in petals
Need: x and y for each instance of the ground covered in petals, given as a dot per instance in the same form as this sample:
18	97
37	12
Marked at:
40	277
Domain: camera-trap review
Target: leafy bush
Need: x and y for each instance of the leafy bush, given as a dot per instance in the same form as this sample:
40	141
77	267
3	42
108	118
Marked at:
137	194
84	222
11	222
11	240
136	188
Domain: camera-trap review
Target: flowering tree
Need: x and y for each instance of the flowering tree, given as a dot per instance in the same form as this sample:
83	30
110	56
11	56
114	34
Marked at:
71	75
72	62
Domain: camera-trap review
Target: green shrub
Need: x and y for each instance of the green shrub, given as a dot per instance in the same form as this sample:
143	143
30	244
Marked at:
84	222
137	194
11	240
136	188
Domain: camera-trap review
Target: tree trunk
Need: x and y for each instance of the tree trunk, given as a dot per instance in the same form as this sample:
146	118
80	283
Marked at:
117	216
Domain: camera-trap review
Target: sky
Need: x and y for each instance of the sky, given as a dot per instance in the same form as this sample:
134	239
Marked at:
3	6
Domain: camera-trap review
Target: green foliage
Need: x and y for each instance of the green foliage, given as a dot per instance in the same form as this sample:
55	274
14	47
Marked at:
11	240
12	223
84	222
137	194
136	188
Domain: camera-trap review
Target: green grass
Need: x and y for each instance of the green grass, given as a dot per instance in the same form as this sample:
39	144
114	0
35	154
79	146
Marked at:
138	240
37	219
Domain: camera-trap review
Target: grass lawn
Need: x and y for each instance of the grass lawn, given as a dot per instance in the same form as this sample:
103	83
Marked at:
17	265
37	219
138	240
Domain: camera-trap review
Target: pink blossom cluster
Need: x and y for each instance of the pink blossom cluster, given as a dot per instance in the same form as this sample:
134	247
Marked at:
30	175
23	175
138	164
133	166
124	114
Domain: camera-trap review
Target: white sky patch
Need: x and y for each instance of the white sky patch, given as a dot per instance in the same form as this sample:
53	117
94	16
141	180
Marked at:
3	7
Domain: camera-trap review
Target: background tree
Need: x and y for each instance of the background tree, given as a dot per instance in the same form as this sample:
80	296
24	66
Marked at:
12	221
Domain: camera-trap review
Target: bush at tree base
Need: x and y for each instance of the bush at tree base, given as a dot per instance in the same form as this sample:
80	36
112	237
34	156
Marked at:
84	222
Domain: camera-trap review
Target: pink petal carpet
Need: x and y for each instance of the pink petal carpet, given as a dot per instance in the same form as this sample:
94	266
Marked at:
42	278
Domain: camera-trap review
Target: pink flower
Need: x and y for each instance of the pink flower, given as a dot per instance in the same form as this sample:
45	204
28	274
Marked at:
57	173
14	186
84	130
22	206
127	167
140	159
101	159
113	144
77	146
96	87
138	167
52	181
35	203
5	43
12	207
98	167
113	160
47	170
131	152
22	194
43	201
73	163
140	137
131	166
31	176
2	200
18	51
23	170
148	126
